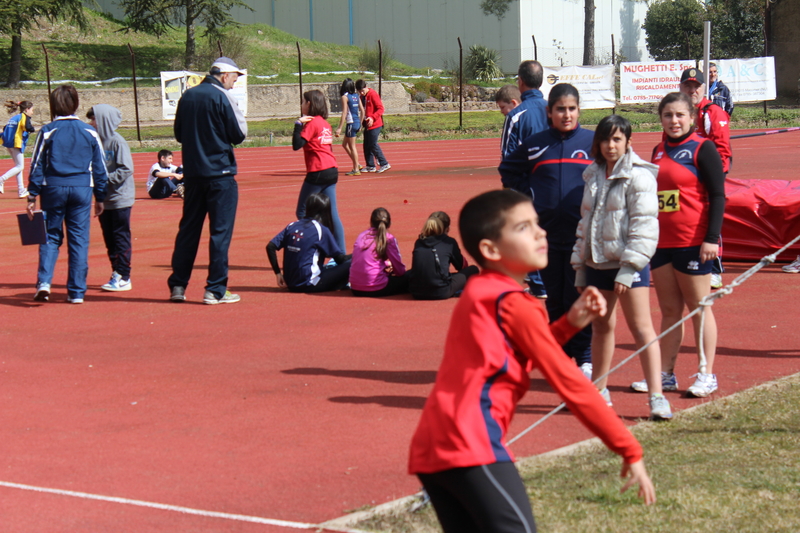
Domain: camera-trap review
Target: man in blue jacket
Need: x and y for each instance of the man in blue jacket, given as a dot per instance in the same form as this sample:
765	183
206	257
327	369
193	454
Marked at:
207	123
530	116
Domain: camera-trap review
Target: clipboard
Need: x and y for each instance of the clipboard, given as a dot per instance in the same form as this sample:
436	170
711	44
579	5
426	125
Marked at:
32	231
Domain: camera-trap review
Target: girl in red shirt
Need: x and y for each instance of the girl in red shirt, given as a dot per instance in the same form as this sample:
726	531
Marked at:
314	135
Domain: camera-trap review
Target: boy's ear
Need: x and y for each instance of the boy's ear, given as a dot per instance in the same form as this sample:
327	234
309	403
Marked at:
489	250
515	102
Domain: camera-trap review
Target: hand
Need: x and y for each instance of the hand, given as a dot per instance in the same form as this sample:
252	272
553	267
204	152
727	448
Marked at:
619	289
30	208
638	475
281	282
98	208
305	119
368	121
389	268
580	289
338	132
708	252
589	306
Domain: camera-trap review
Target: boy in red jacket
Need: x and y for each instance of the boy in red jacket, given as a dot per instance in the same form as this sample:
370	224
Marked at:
373	122
498	334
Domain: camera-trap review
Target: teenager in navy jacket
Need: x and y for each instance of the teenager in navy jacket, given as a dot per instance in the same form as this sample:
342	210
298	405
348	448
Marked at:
550	164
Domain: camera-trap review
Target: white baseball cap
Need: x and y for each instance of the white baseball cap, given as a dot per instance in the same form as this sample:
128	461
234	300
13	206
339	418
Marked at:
226	64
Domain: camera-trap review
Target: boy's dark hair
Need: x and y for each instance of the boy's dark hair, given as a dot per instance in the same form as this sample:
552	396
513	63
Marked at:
671	98
64	101
531	73
360	84
318	207
484	216
561	90
605	129
164	153
317	105
90	113
508	93
347	87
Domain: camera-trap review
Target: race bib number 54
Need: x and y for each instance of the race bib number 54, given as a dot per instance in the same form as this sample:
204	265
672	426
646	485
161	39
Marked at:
669	201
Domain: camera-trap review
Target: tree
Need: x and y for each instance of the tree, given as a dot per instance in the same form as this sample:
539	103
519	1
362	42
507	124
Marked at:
588	32
21	15
157	16
675	29
737	28
497	8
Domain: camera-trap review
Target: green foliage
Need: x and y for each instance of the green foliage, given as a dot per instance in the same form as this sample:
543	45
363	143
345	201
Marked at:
497	8
481	63
737	28
675	29
371	58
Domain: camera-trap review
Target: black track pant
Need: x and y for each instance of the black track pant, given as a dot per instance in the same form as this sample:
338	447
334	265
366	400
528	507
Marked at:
480	499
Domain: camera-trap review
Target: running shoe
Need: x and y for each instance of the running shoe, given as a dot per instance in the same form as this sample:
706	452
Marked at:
607	397
703	386
659	408
668	383
75	300
180	190
369	169
42	292
353	173
23	193
3	187
793	267
384	168
586	368
177	294
227	298
117	284
716	281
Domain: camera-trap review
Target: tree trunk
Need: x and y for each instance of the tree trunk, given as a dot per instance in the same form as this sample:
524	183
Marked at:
588	33
15	66
191	44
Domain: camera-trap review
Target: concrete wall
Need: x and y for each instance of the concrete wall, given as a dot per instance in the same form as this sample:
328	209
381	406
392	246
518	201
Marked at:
264	101
785	46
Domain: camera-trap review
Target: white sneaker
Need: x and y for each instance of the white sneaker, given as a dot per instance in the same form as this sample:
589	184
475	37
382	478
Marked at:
3	187
607	397
23	193
384	168
716	281
586	368
75	300
668	383
42	292
703	386
117	284
659	408
793	267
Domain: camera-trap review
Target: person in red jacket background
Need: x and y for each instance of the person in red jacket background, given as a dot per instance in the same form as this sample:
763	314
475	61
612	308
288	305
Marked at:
373	122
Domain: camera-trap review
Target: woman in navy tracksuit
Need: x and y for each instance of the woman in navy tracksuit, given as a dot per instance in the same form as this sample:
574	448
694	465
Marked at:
67	167
552	163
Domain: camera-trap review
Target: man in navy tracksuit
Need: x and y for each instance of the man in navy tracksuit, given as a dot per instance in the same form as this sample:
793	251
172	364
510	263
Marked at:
207	123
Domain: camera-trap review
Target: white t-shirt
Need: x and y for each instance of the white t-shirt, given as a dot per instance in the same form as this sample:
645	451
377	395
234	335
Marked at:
151	178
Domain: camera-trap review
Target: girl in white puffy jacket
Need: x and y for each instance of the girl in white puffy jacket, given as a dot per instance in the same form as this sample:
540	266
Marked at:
616	238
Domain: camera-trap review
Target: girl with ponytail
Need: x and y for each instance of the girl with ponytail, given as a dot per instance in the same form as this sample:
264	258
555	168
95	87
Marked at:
377	268
15	138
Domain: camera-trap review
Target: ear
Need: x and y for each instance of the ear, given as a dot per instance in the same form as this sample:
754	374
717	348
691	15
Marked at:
489	250
515	102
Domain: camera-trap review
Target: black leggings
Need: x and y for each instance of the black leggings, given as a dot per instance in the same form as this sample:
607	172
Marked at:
480	499
396	285
330	279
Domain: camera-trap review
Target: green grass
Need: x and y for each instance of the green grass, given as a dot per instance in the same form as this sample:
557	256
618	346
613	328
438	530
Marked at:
728	465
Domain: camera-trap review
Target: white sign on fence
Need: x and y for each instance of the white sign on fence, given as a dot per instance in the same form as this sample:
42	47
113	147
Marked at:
650	82
749	80
175	83
595	84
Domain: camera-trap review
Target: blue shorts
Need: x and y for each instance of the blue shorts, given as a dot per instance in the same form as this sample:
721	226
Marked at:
604	279
351	130
686	260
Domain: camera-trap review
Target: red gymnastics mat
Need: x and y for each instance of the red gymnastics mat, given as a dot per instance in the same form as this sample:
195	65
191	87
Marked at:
131	413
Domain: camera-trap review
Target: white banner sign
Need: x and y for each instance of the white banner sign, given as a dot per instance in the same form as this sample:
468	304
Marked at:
749	80
595	84
175	83
650	82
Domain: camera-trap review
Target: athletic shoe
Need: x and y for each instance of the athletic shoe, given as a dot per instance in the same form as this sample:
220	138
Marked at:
659	408
716	281
384	168
793	267
3	187
353	173
75	300
586	368
42	293
228	298
178	294
369	169
668	383
23	193
607	397
180	190
117	284
703	386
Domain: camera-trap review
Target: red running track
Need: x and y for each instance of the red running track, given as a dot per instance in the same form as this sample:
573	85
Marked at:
285	407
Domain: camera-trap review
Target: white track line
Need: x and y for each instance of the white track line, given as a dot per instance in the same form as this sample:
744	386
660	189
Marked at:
163	507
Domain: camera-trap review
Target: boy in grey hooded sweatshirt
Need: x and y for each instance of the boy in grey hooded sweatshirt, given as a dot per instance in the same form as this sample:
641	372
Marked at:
120	194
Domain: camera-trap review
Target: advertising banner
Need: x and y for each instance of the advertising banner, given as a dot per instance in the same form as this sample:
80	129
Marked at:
649	82
595	84
749	80
175	83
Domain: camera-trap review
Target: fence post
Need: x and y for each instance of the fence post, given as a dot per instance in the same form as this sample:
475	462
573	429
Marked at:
47	70
460	85
614	64
535	48
380	68
135	93
300	72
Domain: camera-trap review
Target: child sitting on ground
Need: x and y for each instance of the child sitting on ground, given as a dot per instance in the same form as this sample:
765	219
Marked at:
498	335
433	254
165	179
378	269
307	243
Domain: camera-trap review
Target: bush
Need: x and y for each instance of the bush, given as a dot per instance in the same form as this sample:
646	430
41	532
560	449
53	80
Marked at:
370	58
420	97
481	63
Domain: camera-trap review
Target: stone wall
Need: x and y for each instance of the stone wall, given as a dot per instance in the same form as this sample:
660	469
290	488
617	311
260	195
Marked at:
264	101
